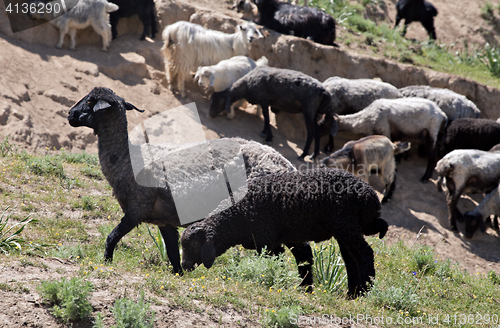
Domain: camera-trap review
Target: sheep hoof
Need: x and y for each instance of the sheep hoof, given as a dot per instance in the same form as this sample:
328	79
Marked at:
301	158
454	228
424	180
263	134
269	143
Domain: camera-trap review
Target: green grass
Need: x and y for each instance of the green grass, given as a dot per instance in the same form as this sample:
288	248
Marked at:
410	284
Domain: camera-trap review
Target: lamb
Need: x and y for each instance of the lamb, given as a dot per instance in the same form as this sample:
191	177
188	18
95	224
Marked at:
221	76
295	207
188	46
453	104
467	171
283	89
304	22
417	11
370	153
105	113
475	219
85	13
413	119
469	133
145	10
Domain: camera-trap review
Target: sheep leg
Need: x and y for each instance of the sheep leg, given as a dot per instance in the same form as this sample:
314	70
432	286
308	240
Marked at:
62	33
389	189
266	132
304	258
329	146
171	238
123	228
312	132
154	29
146	22
452	197
113	20
72	35
495	222
359	263
431	163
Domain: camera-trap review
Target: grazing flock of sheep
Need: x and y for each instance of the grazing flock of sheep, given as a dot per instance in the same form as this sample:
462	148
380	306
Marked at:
283	205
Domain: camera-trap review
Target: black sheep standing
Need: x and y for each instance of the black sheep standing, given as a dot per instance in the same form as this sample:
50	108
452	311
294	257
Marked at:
417	11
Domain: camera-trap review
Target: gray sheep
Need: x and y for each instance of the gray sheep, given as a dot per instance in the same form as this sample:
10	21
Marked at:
352	95
417	120
283	89
467	171
454	105
105	113
291	208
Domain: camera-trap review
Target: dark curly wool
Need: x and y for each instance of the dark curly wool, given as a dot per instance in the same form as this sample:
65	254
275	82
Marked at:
104	112
304	22
470	133
294	208
417	11
144	8
282	89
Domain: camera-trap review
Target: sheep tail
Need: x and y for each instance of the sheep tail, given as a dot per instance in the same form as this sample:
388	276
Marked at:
110	7
380	226
262	61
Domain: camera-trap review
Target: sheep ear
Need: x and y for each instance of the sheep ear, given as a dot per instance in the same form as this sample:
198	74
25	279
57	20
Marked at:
129	106
335	126
208	254
211	78
101	104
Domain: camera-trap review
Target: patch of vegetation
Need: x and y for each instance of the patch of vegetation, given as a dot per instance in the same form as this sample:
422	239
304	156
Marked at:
70	298
130	314
10	238
329	268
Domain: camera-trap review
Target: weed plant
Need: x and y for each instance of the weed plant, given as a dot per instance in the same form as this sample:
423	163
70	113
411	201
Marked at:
70	298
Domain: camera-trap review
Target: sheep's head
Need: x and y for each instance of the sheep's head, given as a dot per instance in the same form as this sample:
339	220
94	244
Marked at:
89	110
204	77
250	32
473	221
341	159
220	101
197	248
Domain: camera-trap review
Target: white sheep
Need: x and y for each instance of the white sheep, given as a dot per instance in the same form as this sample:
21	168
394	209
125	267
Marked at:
353	95
475	219
417	120
368	154
453	104
219	77
84	13
467	171
188	46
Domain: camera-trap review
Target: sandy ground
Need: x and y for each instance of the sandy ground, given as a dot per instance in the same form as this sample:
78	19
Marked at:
39	84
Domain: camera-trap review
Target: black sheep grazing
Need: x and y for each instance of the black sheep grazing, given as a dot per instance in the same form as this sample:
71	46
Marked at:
282	89
304	22
417	11
105	113
469	133
144	8
293	208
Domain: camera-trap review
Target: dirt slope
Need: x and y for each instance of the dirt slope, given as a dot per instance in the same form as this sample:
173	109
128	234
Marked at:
39	84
